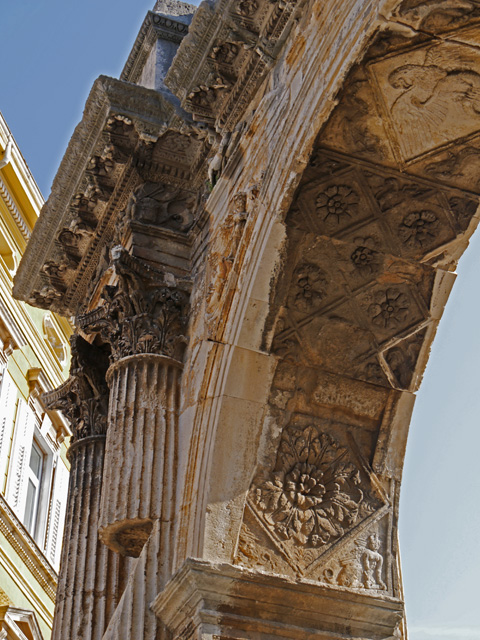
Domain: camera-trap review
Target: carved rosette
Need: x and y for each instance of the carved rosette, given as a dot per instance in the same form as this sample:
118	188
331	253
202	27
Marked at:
144	321
314	496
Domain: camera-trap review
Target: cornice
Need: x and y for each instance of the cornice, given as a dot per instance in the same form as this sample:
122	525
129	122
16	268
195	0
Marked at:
21	169
16	215
230	47
27	550
154	27
145	116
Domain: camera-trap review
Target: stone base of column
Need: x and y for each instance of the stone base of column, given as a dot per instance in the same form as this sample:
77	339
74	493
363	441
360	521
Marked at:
205	600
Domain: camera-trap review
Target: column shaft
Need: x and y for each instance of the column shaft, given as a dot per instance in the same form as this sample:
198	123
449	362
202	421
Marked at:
140	450
92	577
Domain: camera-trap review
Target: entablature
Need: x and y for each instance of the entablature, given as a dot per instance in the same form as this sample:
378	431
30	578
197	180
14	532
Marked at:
134	155
230	47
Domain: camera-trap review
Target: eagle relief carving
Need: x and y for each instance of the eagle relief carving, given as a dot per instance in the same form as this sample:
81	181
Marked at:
432	95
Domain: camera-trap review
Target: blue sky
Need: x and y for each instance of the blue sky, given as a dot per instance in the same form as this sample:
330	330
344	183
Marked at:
52	52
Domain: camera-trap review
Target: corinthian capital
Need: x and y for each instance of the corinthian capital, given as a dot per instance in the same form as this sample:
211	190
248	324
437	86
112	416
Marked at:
145	312
83	398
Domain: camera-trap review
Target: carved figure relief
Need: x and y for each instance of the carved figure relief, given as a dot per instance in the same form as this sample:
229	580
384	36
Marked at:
438	16
225	53
427	89
361	567
247	8
162	206
312	496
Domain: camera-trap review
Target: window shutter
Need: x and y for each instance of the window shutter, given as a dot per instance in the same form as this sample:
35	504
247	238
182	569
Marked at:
56	514
20	458
8	397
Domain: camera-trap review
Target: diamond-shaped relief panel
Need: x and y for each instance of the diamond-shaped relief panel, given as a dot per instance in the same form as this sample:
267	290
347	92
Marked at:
390	310
457	166
315	280
403	357
336	341
316	492
322	166
333	205
429	96
418	217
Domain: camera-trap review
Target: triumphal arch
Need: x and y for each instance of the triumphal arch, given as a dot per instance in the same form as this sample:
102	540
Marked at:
256	230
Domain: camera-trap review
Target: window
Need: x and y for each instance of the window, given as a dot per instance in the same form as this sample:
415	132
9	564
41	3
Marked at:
34	484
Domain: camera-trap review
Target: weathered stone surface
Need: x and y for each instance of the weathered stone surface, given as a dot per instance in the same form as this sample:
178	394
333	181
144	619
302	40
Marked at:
272	279
141	449
92	577
205	600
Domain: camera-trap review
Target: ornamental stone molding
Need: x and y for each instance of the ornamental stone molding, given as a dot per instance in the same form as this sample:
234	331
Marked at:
83	398
257	230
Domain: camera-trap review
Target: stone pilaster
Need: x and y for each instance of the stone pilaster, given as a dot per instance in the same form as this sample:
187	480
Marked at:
143	320
92	577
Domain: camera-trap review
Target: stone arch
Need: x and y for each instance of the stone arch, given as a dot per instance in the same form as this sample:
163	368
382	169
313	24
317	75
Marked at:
383	216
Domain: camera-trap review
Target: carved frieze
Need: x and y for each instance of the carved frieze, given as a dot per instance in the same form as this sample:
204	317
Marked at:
163	206
241	48
359	565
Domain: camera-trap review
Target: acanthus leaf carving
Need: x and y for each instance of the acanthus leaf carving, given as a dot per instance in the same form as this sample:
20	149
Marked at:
313	496
83	398
141	313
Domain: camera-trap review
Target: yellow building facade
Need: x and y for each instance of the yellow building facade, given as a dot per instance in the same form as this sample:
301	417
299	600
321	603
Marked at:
34	359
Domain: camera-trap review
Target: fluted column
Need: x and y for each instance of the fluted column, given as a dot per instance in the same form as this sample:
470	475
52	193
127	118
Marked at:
92	577
141	448
143	319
